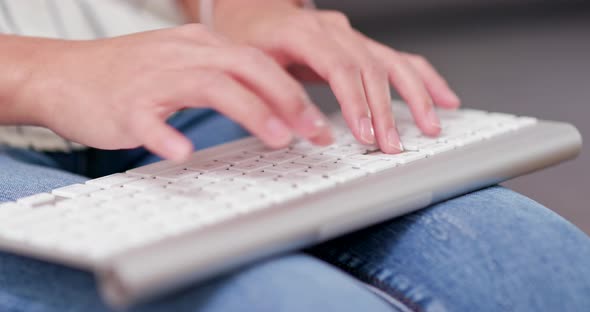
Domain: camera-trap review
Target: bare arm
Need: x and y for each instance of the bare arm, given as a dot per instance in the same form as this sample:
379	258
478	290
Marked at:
190	8
19	58
118	92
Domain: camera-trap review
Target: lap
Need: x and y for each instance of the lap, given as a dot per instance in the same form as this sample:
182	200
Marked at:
24	173
295	282
289	283
494	249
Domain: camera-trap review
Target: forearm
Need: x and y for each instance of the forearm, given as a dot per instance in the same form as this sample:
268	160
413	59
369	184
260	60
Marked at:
191	8
20	57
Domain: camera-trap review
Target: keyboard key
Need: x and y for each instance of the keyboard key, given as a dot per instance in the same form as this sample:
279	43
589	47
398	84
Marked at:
236	158
344	151
286	168
251	165
146	184
315	159
221	174
113	192
281	157
326	168
207	166
152	169
37	200
177	174
189	184
358	160
259	176
75	190
402	158
113	180
226	187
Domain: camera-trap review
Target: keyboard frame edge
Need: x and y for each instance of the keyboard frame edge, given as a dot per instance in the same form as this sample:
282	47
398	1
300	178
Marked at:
152	270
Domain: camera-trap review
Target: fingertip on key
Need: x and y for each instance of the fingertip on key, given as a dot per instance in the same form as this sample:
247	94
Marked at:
394	144
278	133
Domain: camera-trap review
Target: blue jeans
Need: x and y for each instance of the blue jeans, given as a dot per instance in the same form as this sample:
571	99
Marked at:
491	250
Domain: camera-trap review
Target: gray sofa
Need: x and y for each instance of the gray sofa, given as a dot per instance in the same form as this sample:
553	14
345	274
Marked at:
526	57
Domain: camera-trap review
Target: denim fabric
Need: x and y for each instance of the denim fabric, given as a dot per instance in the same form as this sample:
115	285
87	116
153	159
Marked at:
492	250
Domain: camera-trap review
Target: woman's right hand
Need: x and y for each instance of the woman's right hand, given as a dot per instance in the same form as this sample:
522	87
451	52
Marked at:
117	93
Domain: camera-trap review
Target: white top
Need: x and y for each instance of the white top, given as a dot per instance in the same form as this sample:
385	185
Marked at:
76	20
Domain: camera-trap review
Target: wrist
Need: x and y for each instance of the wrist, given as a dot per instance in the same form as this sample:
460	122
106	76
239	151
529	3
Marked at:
24	63
16	60
214	11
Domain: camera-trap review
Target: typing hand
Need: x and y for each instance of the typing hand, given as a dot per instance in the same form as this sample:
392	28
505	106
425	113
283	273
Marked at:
315	44
117	93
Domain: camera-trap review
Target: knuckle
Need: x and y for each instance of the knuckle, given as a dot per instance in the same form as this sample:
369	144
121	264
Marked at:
251	55
419	59
303	22
213	82
346	65
377	69
337	17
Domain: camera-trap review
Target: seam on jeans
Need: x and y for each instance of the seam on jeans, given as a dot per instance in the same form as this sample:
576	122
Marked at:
353	265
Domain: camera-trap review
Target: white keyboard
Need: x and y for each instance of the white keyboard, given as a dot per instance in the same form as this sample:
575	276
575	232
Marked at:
110	215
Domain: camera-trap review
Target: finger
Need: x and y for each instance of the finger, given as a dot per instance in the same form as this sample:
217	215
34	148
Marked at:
376	86
437	86
226	95
410	87
271	82
331	62
160	138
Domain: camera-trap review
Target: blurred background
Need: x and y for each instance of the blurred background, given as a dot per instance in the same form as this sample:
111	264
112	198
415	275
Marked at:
527	57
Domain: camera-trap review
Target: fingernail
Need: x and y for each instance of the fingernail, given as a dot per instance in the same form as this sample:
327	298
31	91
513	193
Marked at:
394	141
367	131
433	118
278	131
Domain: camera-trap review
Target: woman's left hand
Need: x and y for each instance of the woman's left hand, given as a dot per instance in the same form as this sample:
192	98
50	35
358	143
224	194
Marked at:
316	44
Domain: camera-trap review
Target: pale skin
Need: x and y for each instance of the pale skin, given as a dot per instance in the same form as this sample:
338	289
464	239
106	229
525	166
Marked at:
118	92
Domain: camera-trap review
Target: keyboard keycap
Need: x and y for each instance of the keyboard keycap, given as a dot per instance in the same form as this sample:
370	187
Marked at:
113	180
37	200
75	190
113	193
177	174
207	166
281	157
251	165
146	184
239	157
285	168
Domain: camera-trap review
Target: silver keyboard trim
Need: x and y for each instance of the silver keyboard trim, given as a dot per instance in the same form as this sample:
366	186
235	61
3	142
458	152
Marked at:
151	270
